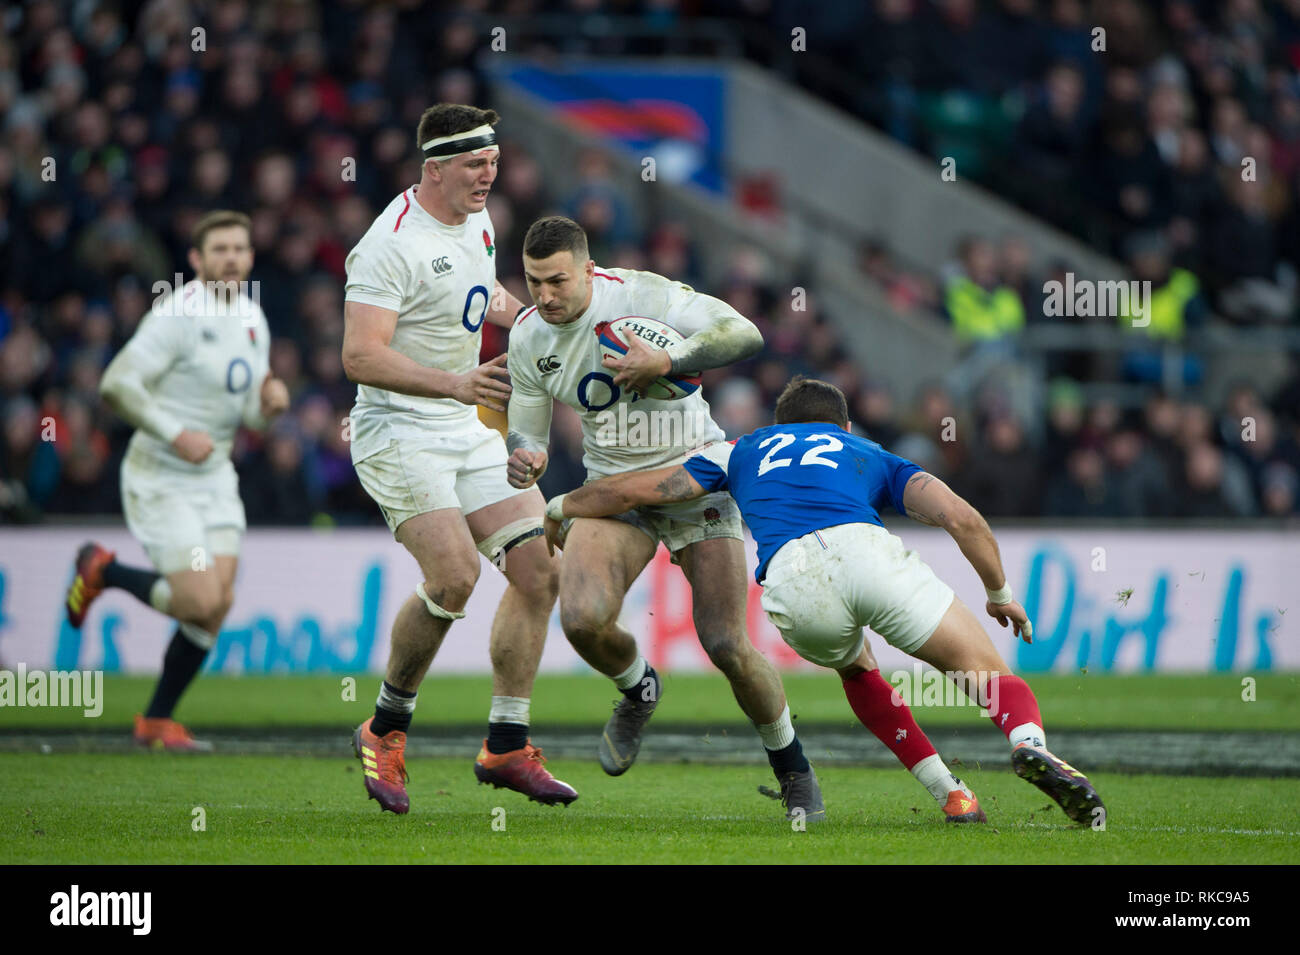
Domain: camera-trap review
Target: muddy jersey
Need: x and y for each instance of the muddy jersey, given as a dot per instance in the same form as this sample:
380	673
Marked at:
621	431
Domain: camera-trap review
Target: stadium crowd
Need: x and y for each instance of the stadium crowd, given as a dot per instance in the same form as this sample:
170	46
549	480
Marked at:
143	133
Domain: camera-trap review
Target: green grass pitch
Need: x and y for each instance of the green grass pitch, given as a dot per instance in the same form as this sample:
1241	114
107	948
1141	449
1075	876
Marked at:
1076	702
80	809
136	807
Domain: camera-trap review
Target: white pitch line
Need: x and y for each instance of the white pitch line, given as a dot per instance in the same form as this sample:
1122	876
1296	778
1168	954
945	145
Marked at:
1183	830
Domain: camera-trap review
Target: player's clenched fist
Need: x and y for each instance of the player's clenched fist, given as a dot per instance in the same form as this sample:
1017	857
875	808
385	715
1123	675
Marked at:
193	446
275	397
1016	614
487	385
525	467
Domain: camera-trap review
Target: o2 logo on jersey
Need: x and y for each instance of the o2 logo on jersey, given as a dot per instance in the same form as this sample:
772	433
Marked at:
588	396
826	444
238	376
469	303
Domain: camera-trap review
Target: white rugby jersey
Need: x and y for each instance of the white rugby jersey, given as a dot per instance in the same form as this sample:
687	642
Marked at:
439	279
620	430
195	362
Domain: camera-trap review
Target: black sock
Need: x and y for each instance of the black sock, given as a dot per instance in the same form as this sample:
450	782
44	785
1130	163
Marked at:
138	583
387	720
181	664
643	692
506	737
789	759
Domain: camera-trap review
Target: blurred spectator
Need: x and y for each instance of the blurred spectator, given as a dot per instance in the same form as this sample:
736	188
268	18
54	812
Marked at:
1278	490
29	465
980	307
1084	490
273	482
1141	482
1003	474
1203	495
906	290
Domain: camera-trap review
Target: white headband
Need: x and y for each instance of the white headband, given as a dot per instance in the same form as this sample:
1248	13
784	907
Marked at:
471	141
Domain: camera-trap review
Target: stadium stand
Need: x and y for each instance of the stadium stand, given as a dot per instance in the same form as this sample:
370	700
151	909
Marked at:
1136	154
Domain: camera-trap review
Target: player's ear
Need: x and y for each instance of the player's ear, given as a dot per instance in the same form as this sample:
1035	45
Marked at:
195	260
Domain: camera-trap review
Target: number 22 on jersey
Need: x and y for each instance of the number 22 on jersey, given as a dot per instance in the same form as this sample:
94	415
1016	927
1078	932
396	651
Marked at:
824	444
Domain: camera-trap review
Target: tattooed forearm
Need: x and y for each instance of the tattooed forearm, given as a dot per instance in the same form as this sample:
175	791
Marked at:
675	487
936	521
730	339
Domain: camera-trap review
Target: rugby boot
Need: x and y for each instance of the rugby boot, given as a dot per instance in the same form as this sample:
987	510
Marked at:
1068	787
160	733
524	771
88	583
801	793
384	763
620	741
962	806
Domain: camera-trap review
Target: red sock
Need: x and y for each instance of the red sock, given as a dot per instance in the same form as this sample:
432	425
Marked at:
881	709
1012	702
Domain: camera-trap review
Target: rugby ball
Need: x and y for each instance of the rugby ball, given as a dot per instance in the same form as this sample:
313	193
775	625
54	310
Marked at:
613	338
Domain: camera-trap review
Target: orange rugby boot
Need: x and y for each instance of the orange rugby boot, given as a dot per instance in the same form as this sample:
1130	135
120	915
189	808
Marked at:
383	761
524	771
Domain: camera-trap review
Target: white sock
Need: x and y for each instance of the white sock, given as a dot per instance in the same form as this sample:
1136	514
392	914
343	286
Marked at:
934	775
632	675
388	700
777	735
160	595
1030	733
509	709
198	636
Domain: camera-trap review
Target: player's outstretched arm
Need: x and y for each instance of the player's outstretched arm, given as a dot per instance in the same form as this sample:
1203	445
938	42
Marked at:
619	493
932	502
368	360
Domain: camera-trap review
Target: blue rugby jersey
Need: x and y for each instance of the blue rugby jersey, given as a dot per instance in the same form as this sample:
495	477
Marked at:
792	479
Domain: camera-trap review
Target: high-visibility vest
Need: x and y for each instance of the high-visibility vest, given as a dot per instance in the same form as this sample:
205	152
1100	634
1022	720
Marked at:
981	315
1168	307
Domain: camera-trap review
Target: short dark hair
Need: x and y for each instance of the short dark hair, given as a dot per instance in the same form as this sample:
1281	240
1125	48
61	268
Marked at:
448	118
554	234
218	219
810	400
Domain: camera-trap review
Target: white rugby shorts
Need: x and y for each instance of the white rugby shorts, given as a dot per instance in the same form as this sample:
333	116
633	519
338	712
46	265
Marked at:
417	474
182	520
823	588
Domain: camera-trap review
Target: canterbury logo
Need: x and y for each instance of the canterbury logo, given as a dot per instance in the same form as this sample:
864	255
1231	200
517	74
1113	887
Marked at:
548	364
440	266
